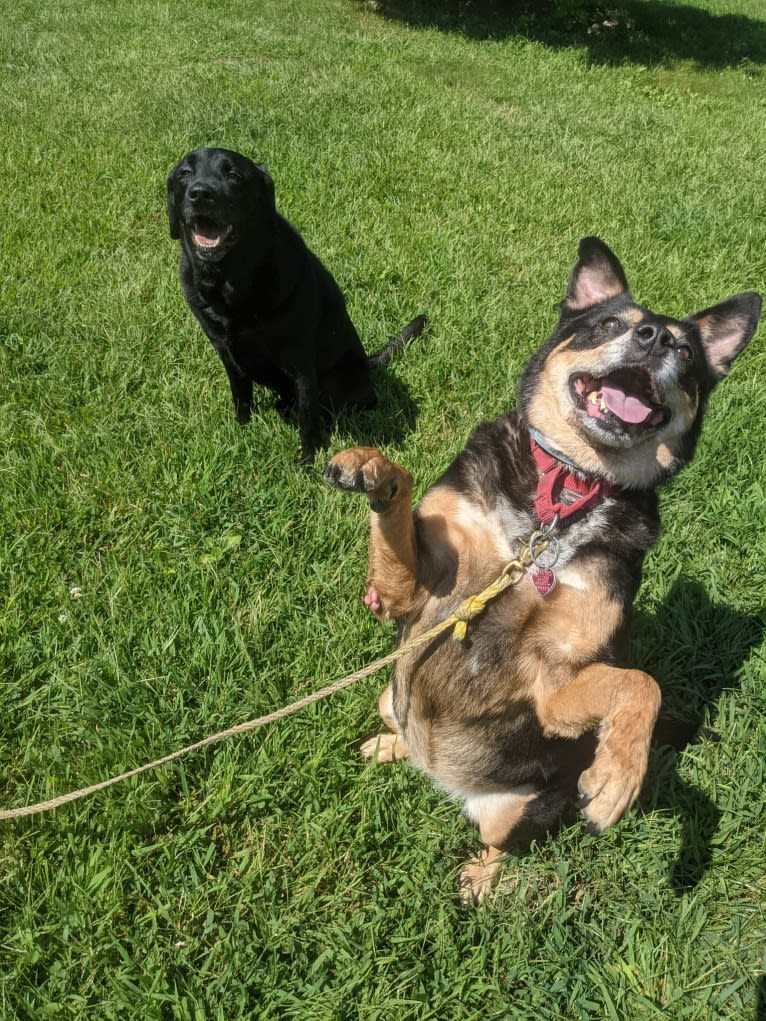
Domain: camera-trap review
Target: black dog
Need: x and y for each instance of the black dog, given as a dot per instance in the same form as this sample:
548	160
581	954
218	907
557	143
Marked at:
272	311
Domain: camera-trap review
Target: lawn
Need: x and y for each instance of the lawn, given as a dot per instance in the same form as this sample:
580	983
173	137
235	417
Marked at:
165	574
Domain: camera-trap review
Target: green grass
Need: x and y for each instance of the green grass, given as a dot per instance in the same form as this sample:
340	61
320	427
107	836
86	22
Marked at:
165	574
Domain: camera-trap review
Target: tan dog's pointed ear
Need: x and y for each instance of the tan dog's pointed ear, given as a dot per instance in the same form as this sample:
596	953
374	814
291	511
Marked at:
596	277
725	329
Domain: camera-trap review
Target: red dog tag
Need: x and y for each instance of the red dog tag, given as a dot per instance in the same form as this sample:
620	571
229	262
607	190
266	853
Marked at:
544	580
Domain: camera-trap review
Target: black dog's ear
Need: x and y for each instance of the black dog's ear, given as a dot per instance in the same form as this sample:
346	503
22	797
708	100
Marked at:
267	185
174	217
725	329
597	277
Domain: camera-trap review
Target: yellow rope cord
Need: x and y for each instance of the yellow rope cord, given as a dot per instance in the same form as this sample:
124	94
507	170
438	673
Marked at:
512	574
474	605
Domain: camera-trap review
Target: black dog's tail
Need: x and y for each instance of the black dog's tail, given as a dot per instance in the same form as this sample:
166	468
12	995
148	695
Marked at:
411	330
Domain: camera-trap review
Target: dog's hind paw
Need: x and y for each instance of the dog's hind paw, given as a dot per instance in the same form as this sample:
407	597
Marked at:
479	876
385	748
609	788
366	470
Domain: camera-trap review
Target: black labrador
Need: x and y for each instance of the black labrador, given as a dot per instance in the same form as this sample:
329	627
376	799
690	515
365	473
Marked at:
272	311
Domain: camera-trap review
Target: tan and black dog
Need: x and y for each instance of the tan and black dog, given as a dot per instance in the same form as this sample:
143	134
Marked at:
534	713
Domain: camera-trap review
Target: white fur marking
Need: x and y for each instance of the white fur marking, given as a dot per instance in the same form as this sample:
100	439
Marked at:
477	804
573	578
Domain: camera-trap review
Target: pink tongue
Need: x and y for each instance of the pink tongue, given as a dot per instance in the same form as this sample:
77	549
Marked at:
627	407
207	237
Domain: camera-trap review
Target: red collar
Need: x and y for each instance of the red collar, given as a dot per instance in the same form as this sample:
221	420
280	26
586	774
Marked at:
562	493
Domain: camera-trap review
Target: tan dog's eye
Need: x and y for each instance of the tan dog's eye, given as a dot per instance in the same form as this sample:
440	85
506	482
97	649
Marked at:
612	323
685	352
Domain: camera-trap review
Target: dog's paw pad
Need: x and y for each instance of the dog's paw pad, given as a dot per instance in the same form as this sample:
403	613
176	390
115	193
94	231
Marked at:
366	470
372	600
384	748
332	474
353	470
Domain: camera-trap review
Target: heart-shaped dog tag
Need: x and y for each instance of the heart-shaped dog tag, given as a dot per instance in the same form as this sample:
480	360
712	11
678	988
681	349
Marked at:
544	580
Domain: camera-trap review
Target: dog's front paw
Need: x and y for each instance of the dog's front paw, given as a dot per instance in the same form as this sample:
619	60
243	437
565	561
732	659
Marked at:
366	470
610	786
243	411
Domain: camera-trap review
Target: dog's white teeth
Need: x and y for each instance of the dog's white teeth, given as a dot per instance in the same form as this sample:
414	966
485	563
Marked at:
602	405
205	242
593	397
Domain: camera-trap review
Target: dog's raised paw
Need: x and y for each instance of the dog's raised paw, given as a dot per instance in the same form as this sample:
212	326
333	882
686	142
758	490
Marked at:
366	470
357	469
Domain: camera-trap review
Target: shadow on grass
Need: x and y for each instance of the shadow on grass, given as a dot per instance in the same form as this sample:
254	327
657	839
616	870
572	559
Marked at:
695	649
392	419
647	32
390	422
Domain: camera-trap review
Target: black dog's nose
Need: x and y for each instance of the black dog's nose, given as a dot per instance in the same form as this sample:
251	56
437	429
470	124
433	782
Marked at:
649	334
199	191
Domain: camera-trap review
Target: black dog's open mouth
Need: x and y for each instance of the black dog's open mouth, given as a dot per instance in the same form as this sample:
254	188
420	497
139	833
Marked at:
622	398
207	235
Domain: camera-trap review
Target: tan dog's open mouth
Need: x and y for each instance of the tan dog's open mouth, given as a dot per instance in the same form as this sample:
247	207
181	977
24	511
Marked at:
623	398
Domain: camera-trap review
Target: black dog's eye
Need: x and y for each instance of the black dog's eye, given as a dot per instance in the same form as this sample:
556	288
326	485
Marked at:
612	323
233	174
183	172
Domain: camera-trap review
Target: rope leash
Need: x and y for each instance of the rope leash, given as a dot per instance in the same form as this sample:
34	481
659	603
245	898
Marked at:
470	608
